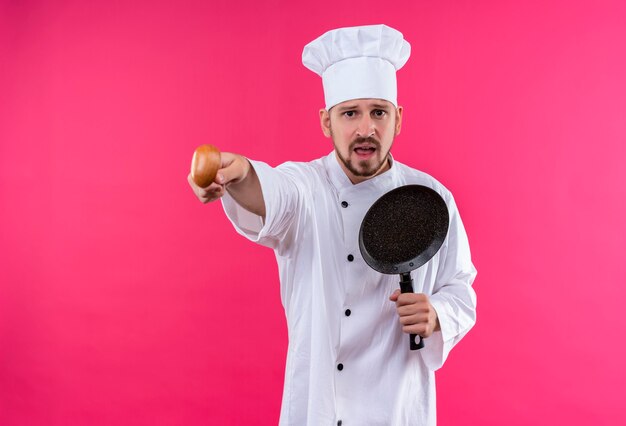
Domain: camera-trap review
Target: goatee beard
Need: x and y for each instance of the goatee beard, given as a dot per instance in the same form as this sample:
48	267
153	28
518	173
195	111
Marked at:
365	170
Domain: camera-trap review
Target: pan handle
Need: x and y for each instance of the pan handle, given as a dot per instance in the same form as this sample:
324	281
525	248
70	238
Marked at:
406	286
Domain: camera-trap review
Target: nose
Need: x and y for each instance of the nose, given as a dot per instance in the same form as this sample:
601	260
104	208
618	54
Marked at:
365	127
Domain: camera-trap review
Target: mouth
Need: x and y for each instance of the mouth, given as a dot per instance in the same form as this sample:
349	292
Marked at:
364	151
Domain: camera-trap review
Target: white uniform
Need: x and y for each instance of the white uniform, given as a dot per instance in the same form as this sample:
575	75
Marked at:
348	361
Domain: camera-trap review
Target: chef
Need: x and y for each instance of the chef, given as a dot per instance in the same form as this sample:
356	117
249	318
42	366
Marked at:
348	361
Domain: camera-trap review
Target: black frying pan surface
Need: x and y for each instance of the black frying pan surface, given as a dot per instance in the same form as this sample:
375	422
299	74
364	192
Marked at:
403	229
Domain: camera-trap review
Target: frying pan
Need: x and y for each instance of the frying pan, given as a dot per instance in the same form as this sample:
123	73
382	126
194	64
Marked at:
402	231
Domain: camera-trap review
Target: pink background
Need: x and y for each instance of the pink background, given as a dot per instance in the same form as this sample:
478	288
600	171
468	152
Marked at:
124	301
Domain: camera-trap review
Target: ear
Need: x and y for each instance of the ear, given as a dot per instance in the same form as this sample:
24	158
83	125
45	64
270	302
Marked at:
325	122
398	120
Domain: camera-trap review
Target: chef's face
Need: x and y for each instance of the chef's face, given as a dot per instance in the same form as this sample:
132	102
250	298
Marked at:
362	131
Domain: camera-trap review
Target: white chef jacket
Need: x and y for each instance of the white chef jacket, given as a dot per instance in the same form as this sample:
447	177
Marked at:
348	360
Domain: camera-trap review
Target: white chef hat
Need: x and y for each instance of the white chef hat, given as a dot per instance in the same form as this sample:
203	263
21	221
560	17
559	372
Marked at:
358	62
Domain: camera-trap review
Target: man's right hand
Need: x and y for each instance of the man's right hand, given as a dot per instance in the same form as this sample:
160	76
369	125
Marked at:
234	168
238	177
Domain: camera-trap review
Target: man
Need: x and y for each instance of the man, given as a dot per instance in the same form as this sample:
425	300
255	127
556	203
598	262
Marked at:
348	361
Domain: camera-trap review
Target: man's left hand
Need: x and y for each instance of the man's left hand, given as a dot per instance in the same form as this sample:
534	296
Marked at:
416	314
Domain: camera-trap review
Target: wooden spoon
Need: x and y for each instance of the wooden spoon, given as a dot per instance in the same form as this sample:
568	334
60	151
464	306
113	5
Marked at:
205	164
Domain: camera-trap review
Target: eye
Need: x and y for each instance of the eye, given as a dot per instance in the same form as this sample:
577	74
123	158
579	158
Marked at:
349	114
379	113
